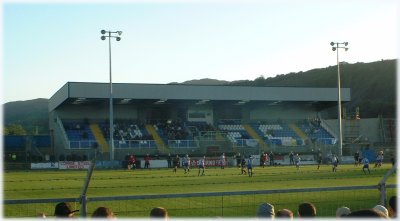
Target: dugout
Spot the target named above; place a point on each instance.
(86, 102)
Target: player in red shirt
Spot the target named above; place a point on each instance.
(131, 162)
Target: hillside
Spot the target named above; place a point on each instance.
(30, 114)
(373, 85)
(373, 89)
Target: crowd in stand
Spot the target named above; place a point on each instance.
(264, 211)
(173, 129)
(170, 129)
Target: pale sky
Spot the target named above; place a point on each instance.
(47, 44)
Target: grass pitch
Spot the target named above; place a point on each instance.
(66, 184)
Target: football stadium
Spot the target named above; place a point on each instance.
(199, 151)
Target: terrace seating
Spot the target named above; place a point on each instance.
(235, 132)
(79, 134)
(317, 133)
(175, 133)
(279, 134)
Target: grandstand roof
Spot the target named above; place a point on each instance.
(81, 92)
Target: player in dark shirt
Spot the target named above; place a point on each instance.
(175, 163)
(243, 166)
(356, 158)
(319, 160)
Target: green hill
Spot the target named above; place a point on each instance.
(373, 85)
(31, 114)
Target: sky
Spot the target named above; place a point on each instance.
(47, 44)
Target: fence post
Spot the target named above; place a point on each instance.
(83, 197)
(83, 206)
(222, 208)
(382, 185)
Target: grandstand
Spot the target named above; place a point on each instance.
(160, 119)
(200, 120)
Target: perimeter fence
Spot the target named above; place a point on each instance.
(212, 204)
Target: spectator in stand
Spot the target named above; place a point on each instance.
(342, 211)
(103, 213)
(64, 210)
(393, 207)
(266, 210)
(159, 212)
(285, 213)
(307, 210)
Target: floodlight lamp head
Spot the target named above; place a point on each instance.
(332, 43)
(333, 49)
(103, 38)
(103, 32)
(118, 39)
(346, 43)
(346, 49)
(119, 33)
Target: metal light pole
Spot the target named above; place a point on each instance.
(335, 47)
(109, 36)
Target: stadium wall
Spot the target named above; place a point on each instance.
(269, 112)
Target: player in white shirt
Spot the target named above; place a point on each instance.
(222, 161)
(297, 160)
(250, 166)
(186, 163)
(202, 165)
(379, 159)
(335, 162)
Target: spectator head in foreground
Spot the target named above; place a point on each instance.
(159, 212)
(266, 210)
(393, 206)
(381, 209)
(103, 212)
(367, 213)
(342, 211)
(64, 210)
(284, 213)
(307, 210)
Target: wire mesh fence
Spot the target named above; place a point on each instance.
(213, 204)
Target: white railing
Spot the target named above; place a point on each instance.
(182, 144)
